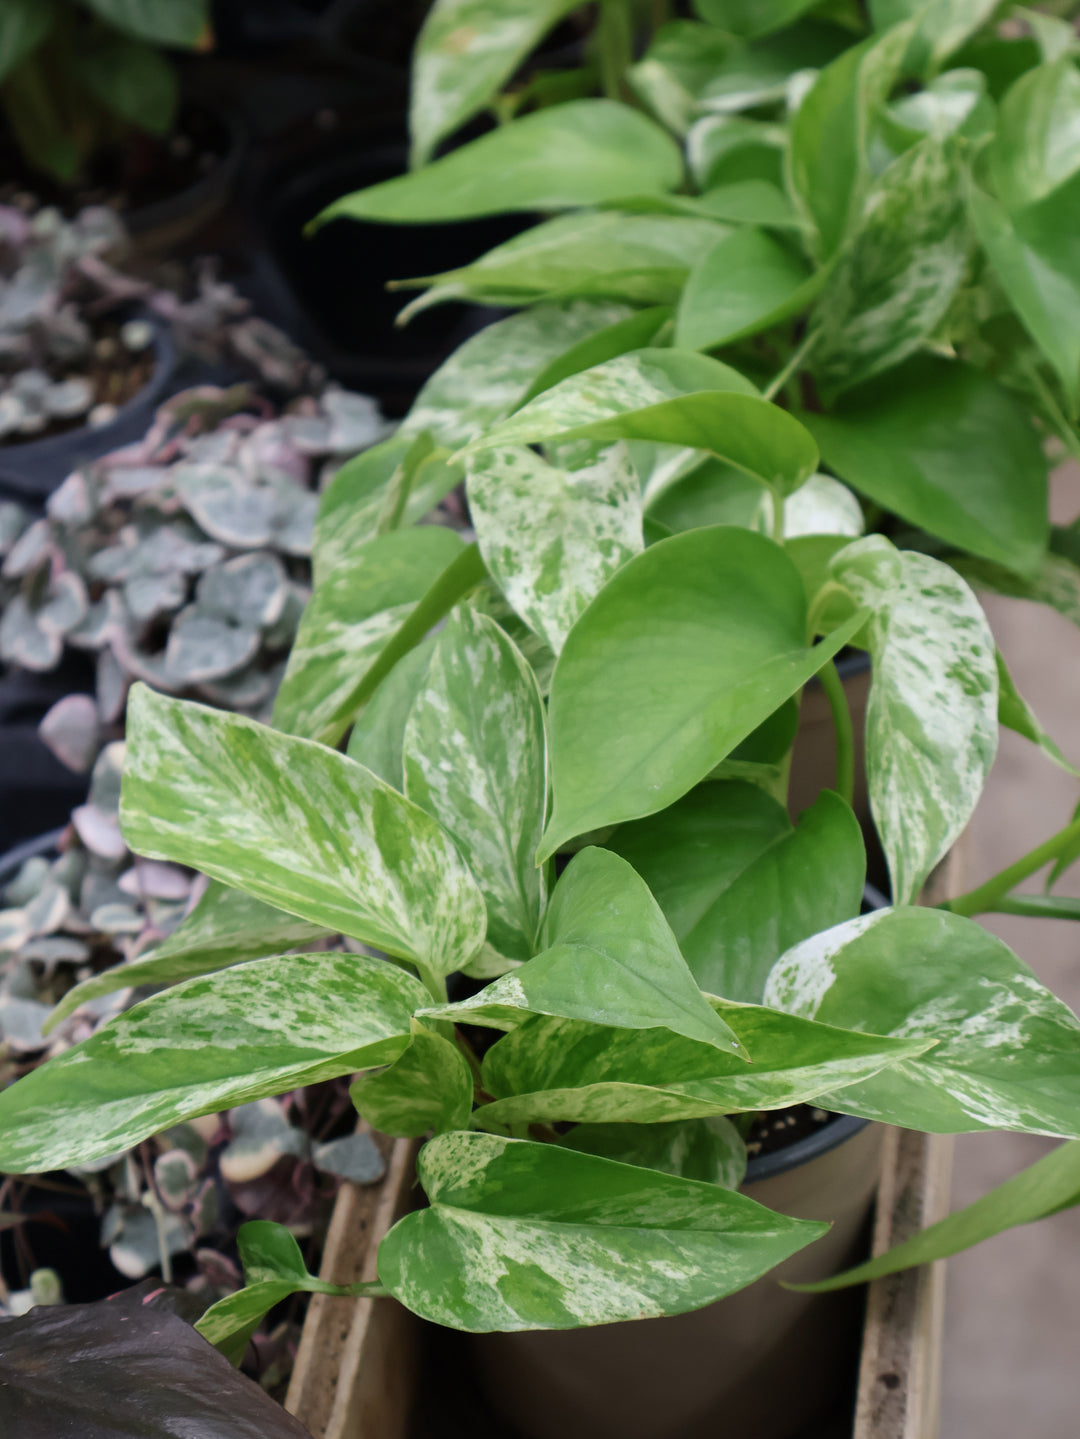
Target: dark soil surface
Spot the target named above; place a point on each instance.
(778, 1128)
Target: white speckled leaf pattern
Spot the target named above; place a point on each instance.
(429, 1087)
(551, 537)
(298, 826)
(931, 722)
(1056, 582)
(466, 49)
(348, 621)
(1007, 1053)
(560, 1069)
(206, 1045)
(486, 376)
(534, 1236)
(475, 757)
(609, 958)
(226, 927)
(822, 506)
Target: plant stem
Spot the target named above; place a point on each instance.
(614, 41)
(1062, 428)
(984, 898)
(777, 383)
(833, 686)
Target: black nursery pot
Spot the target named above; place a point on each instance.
(328, 289)
(29, 472)
(37, 792)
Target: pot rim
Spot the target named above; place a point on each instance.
(834, 1132)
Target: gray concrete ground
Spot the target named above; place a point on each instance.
(1012, 1335)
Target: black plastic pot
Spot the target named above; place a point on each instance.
(30, 471)
(37, 792)
(329, 289)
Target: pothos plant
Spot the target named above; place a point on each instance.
(566, 742)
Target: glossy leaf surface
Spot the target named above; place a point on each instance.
(746, 283)
(1016, 714)
(580, 153)
(1037, 146)
(379, 732)
(931, 721)
(711, 1150)
(684, 653)
(550, 536)
(297, 826)
(609, 957)
(475, 758)
(534, 1236)
(739, 884)
(429, 1087)
(910, 441)
(206, 1045)
(1007, 1054)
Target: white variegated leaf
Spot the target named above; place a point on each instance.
(552, 537)
(475, 758)
(822, 506)
(1007, 1052)
(298, 826)
(931, 722)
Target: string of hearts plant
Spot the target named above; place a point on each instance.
(572, 791)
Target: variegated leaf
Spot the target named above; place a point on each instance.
(822, 506)
(354, 611)
(206, 1045)
(675, 396)
(486, 377)
(1015, 713)
(430, 1086)
(475, 757)
(1056, 582)
(226, 927)
(609, 1241)
(1007, 1052)
(560, 1069)
(551, 537)
(609, 958)
(298, 826)
(682, 654)
(711, 1150)
(931, 721)
(464, 53)
(379, 731)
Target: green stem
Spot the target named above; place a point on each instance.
(828, 592)
(434, 983)
(615, 46)
(833, 686)
(986, 896)
(1064, 431)
(366, 1289)
(777, 383)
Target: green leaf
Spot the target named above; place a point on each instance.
(226, 927)
(354, 611)
(673, 396)
(739, 884)
(1007, 1054)
(931, 721)
(379, 732)
(676, 69)
(752, 201)
(299, 826)
(475, 758)
(131, 78)
(1037, 146)
(711, 494)
(910, 441)
(206, 1045)
(729, 149)
(1056, 582)
(751, 18)
(490, 374)
(580, 153)
(24, 24)
(609, 958)
(640, 258)
(534, 1236)
(561, 1069)
(897, 276)
(177, 22)
(552, 537)
(429, 1087)
(684, 652)
(759, 74)
(941, 26)
(1036, 257)
(635, 332)
(830, 133)
(746, 283)
(711, 1150)
(1046, 1187)
(465, 52)
(274, 1268)
(1016, 714)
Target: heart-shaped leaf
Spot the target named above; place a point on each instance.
(609, 958)
(298, 826)
(612, 1241)
(683, 654)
